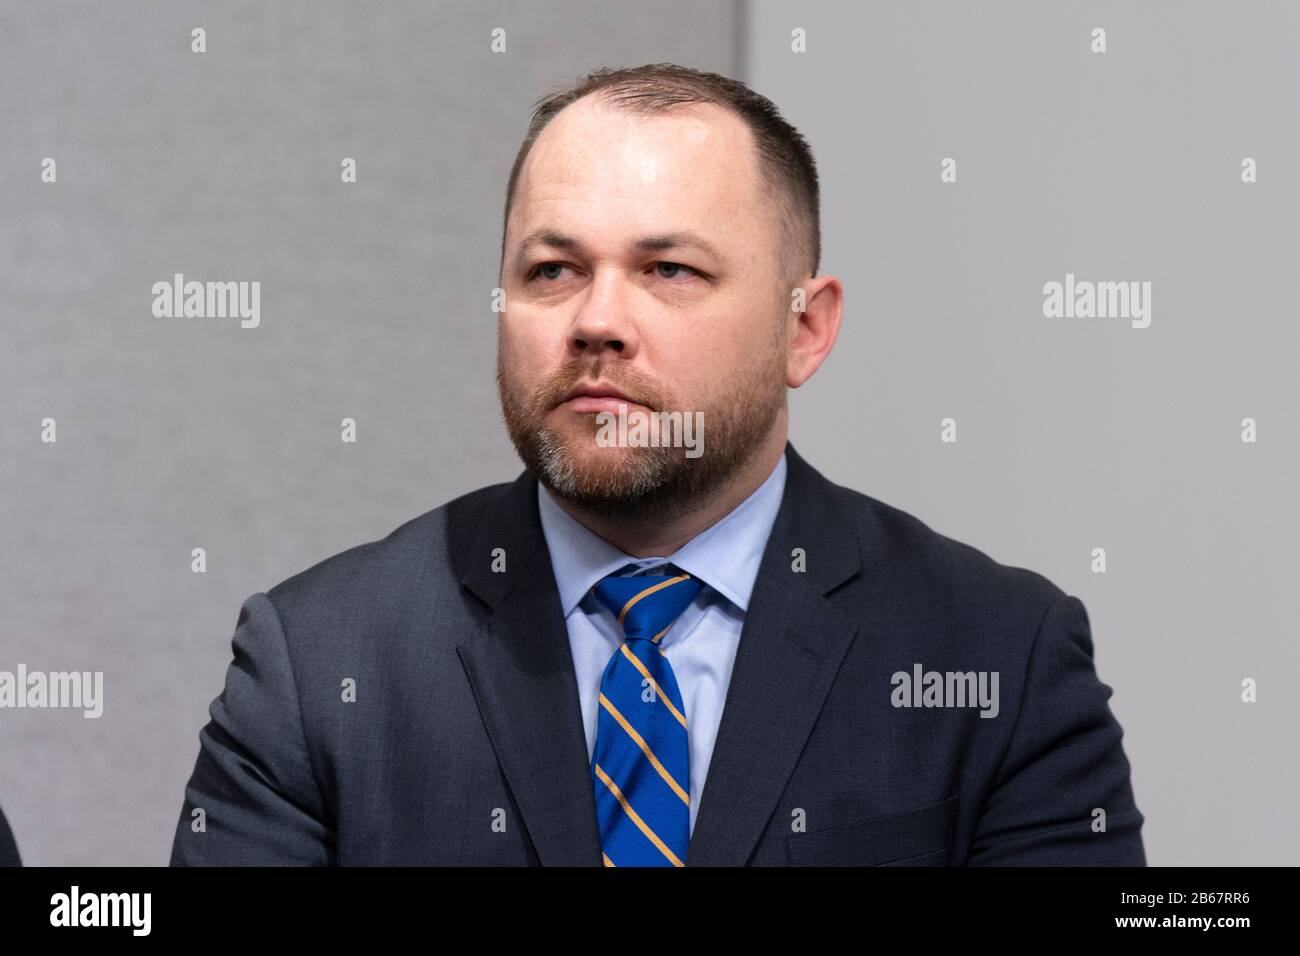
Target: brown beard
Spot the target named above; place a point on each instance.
(644, 483)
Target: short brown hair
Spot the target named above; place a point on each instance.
(785, 159)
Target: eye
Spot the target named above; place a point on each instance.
(545, 270)
(674, 268)
(551, 271)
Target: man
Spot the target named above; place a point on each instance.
(694, 651)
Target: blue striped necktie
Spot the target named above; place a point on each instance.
(640, 765)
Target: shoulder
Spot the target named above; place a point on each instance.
(910, 567)
(417, 559)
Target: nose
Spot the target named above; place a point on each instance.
(603, 321)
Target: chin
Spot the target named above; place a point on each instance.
(580, 469)
(597, 467)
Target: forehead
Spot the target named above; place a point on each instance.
(596, 165)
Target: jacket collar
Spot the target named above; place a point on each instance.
(793, 640)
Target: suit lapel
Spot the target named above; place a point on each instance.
(521, 672)
(791, 647)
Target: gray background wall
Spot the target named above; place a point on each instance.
(1072, 434)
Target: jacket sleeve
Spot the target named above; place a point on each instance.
(1064, 763)
(253, 780)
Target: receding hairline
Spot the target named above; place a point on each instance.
(669, 239)
(792, 179)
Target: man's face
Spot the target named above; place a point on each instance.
(641, 260)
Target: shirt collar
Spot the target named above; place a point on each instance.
(724, 556)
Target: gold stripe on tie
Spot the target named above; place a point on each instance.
(647, 592)
(659, 691)
(608, 861)
(636, 818)
(645, 749)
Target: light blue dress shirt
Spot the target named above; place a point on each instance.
(701, 644)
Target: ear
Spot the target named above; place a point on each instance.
(813, 331)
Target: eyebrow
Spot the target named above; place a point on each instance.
(681, 239)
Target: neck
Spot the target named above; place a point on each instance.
(660, 537)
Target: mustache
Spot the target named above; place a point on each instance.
(638, 387)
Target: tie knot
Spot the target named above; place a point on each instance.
(647, 604)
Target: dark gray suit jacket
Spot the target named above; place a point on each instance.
(464, 743)
(8, 847)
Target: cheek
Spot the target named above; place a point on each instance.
(714, 348)
(512, 359)
(745, 359)
(531, 335)
(520, 345)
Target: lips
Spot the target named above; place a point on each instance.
(597, 398)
